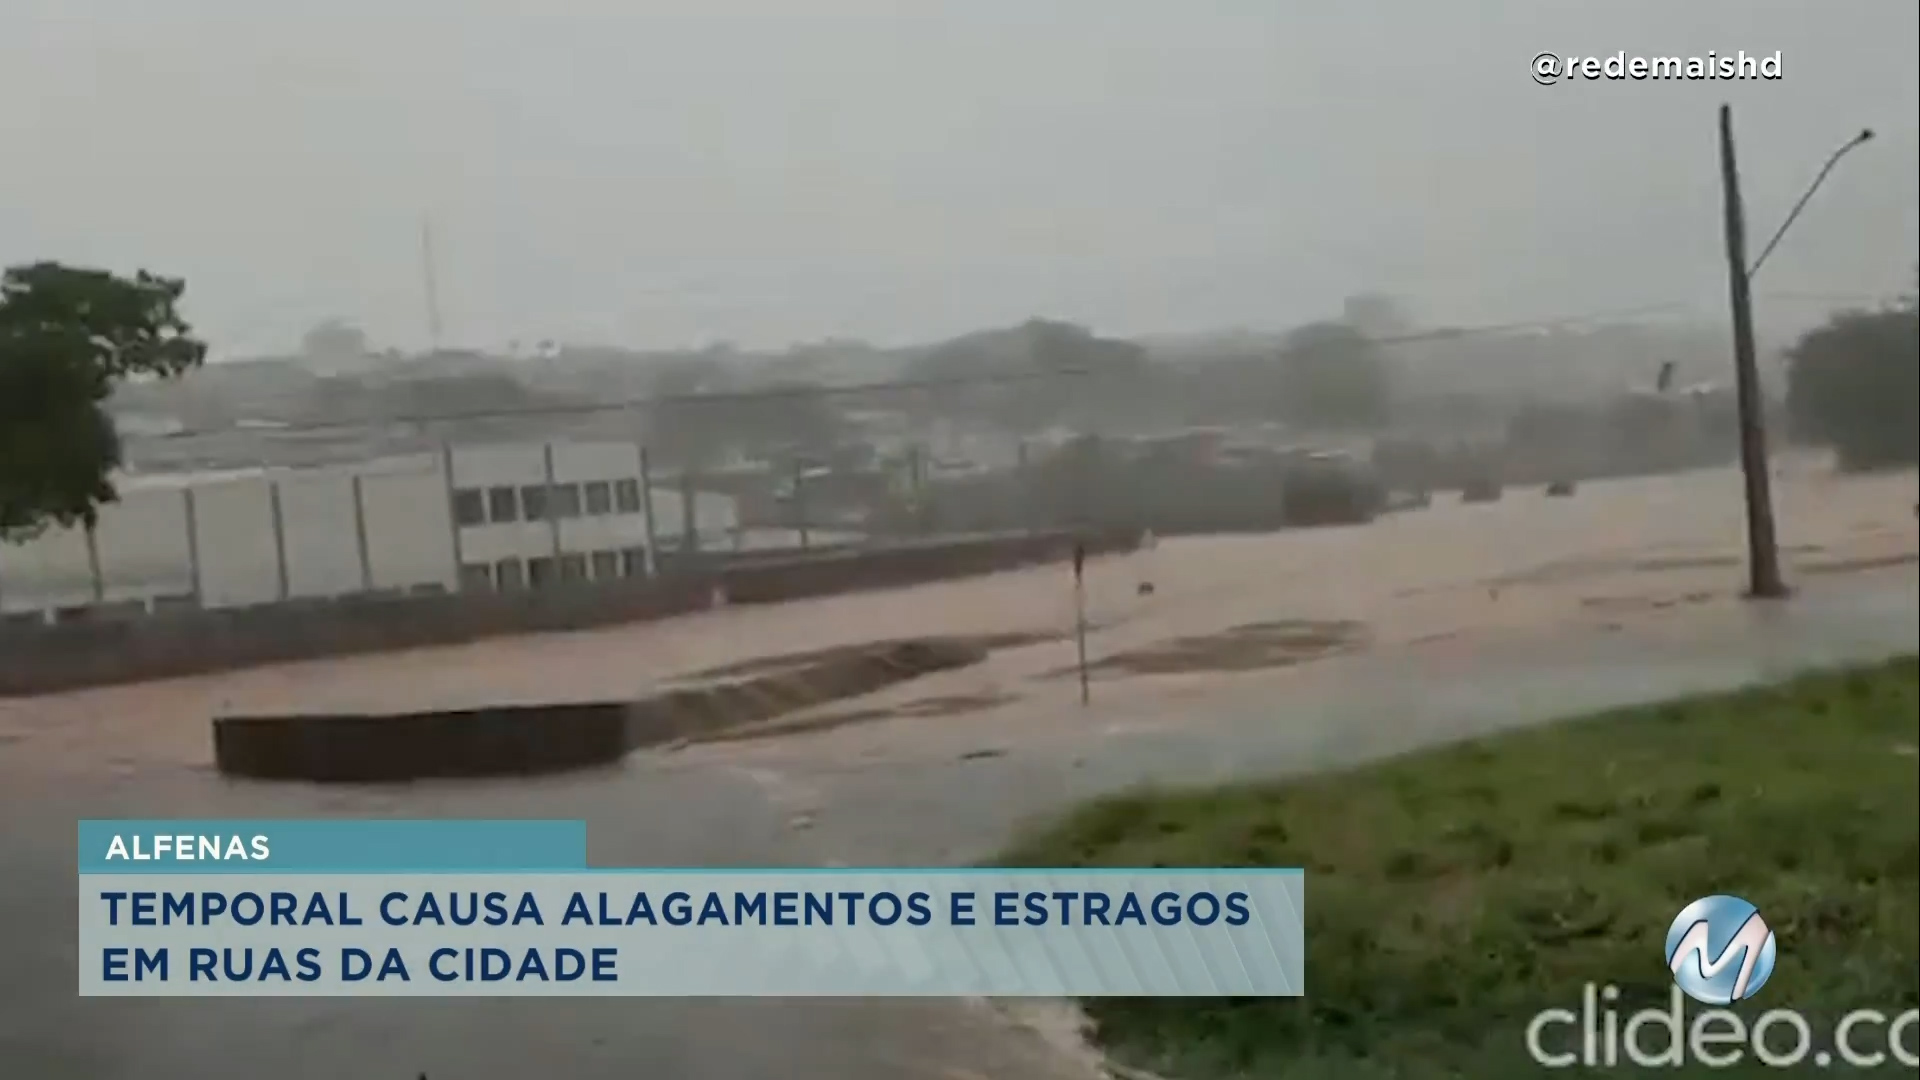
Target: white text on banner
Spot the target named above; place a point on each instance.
(684, 933)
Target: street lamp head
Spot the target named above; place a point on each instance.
(1866, 135)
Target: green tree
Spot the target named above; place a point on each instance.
(777, 420)
(335, 339)
(67, 336)
(1853, 384)
(479, 395)
(1331, 375)
(1027, 377)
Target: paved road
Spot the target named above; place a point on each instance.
(738, 806)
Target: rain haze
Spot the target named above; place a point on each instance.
(797, 435)
(662, 174)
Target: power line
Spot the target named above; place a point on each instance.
(1827, 299)
(1495, 329)
(768, 393)
(883, 387)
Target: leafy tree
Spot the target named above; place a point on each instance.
(67, 336)
(335, 339)
(699, 421)
(680, 426)
(1331, 375)
(1854, 384)
(1027, 377)
(789, 418)
(690, 373)
(472, 396)
(1377, 315)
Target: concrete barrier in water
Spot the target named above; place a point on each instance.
(507, 740)
(526, 740)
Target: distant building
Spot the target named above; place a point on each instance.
(505, 517)
(568, 512)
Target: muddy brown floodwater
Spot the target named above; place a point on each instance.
(1248, 655)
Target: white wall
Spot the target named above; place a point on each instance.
(145, 552)
(409, 525)
(323, 555)
(407, 514)
(237, 557)
(48, 571)
(142, 543)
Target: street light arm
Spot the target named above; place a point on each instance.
(1794, 214)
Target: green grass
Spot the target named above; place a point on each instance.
(1453, 894)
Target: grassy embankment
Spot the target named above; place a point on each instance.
(1453, 894)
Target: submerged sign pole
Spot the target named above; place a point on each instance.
(1080, 617)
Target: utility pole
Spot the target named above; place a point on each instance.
(1763, 549)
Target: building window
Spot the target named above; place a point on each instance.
(573, 567)
(599, 495)
(566, 500)
(626, 496)
(478, 576)
(503, 504)
(540, 571)
(633, 562)
(468, 507)
(533, 502)
(509, 574)
(606, 565)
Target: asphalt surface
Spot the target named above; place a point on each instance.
(805, 804)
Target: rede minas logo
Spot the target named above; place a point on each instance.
(1720, 950)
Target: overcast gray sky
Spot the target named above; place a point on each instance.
(666, 172)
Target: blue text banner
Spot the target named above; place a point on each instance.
(432, 909)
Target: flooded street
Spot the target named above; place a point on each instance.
(1459, 620)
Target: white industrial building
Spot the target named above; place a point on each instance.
(483, 516)
(567, 511)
